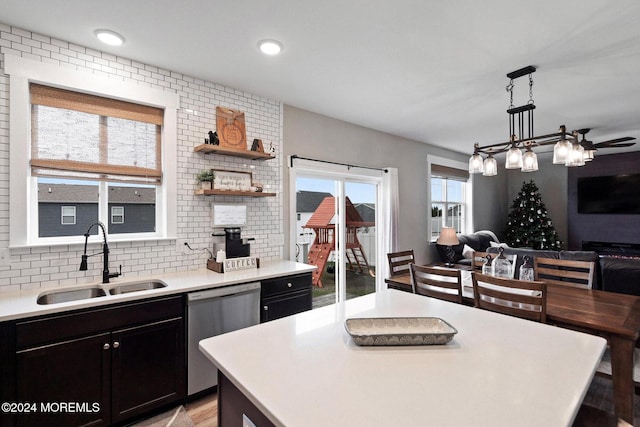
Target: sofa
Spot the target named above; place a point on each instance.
(568, 255)
(621, 275)
(613, 274)
(478, 241)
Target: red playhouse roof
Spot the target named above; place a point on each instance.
(323, 216)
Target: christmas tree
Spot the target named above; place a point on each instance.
(529, 225)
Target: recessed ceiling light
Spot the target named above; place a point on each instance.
(109, 37)
(270, 47)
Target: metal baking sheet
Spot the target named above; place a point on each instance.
(389, 331)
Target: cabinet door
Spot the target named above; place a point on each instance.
(76, 371)
(148, 367)
(285, 305)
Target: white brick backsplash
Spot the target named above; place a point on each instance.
(39, 267)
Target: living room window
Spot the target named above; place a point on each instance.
(449, 196)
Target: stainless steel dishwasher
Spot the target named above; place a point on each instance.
(213, 312)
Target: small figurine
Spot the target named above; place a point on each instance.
(213, 138)
(257, 145)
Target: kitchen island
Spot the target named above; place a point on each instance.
(305, 370)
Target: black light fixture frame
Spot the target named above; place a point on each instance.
(517, 114)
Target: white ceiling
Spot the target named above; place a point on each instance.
(432, 71)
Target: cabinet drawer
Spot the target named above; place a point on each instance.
(285, 305)
(286, 284)
(48, 329)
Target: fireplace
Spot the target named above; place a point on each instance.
(609, 249)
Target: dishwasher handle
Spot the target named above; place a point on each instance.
(223, 291)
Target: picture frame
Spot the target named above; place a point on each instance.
(232, 181)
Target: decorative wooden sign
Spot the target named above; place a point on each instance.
(231, 128)
(233, 264)
(243, 263)
(233, 181)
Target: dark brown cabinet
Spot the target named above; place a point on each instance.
(70, 371)
(105, 365)
(284, 296)
(146, 363)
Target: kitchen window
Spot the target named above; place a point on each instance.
(89, 140)
(68, 215)
(88, 135)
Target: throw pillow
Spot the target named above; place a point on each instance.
(467, 252)
(498, 245)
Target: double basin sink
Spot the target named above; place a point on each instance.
(97, 291)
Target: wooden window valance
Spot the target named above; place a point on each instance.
(77, 135)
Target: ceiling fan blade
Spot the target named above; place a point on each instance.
(626, 144)
(614, 141)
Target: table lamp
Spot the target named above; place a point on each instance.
(448, 238)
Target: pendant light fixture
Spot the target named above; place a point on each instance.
(529, 160)
(514, 158)
(576, 155)
(490, 166)
(476, 165)
(561, 150)
(567, 150)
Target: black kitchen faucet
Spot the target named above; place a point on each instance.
(105, 257)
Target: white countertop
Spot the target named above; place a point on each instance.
(305, 370)
(21, 304)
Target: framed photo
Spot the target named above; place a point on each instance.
(232, 181)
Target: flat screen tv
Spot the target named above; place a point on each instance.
(619, 194)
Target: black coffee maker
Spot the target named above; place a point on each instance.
(234, 244)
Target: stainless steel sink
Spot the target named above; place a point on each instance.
(137, 287)
(66, 295)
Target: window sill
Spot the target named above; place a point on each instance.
(93, 239)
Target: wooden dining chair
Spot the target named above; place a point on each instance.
(565, 272)
(399, 262)
(437, 282)
(525, 299)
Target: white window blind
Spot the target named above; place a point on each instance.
(77, 135)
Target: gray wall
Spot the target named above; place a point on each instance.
(492, 196)
(319, 137)
(50, 219)
(138, 218)
(312, 135)
(490, 202)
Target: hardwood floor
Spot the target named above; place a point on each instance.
(204, 411)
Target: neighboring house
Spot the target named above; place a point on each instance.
(66, 209)
(367, 211)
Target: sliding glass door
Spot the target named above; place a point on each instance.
(335, 221)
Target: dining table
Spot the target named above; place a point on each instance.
(613, 316)
(314, 369)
